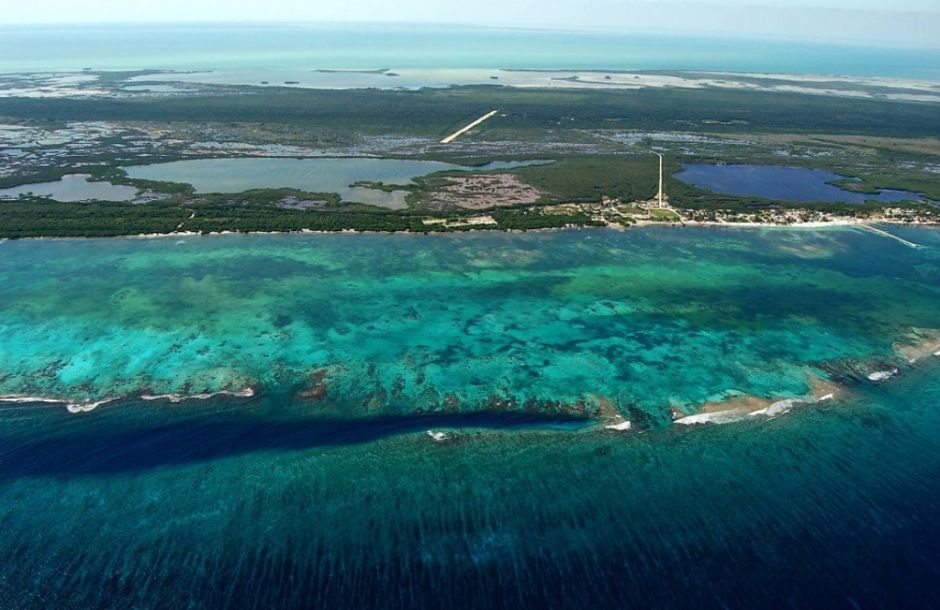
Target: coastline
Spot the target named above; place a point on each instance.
(739, 407)
(730, 406)
(61, 83)
(86, 406)
(640, 224)
(735, 406)
(722, 401)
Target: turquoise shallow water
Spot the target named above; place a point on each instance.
(252, 53)
(342, 500)
(647, 319)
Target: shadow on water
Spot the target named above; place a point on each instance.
(138, 450)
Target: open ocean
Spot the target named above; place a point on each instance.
(324, 490)
(250, 53)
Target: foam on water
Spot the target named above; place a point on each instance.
(72, 407)
(178, 398)
(879, 376)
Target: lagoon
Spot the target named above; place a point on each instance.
(74, 188)
(321, 175)
(781, 183)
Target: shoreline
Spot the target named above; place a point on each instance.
(740, 407)
(72, 406)
(922, 344)
(732, 406)
(837, 223)
(86, 406)
(735, 406)
(892, 87)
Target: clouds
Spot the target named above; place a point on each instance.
(890, 21)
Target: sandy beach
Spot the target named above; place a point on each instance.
(834, 223)
(739, 407)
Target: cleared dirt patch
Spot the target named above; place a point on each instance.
(483, 191)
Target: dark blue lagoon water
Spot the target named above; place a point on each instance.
(325, 490)
(782, 183)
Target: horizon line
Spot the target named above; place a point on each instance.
(628, 30)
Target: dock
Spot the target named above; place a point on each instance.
(883, 233)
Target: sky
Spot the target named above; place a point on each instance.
(915, 22)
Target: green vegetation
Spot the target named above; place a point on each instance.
(664, 215)
(584, 133)
(529, 220)
(43, 218)
(98, 173)
(435, 112)
(588, 178)
(876, 179)
(577, 180)
(381, 186)
(573, 179)
(854, 185)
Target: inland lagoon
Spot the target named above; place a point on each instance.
(327, 175)
(784, 183)
(399, 421)
(73, 188)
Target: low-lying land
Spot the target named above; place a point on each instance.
(599, 145)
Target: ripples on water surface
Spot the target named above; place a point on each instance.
(343, 500)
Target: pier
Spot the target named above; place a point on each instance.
(883, 233)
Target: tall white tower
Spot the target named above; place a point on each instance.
(661, 195)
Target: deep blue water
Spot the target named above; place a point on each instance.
(231, 506)
(782, 183)
(346, 502)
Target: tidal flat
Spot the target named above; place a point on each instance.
(323, 488)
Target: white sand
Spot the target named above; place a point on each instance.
(178, 398)
(621, 427)
(73, 407)
(718, 417)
